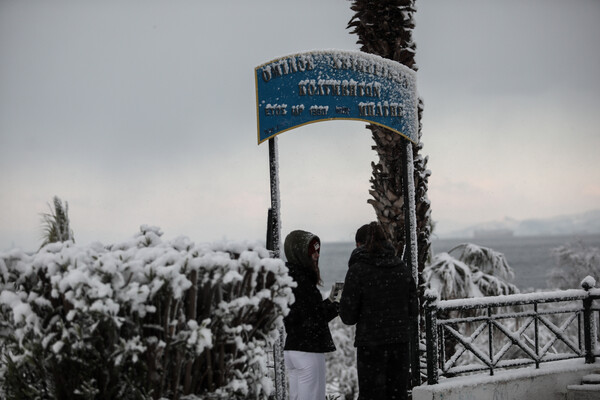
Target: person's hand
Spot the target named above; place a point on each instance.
(339, 296)
(332, 294)
(336, 293)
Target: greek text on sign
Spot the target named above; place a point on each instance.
(324, 85)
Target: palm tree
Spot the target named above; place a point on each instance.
(384, 28)
(56, 223)
(478, 271)
(485, 259)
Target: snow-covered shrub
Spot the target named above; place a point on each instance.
(575, 261)
(342, 376)
(144, 319)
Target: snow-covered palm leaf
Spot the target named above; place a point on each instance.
(485, 259)
(491, 285)
(451, 278)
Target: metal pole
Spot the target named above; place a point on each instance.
(536, 327)
(588, 326)
(432, 339)
(410, 254)
(410, 215)
(273, 243)
(490, 339)
(275, 227)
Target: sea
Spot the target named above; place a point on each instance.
(530, 257)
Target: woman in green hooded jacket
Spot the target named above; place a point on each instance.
(307, 324)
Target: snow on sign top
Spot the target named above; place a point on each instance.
(314, 86)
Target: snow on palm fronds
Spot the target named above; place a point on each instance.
(485, 259)
(479, 271)
(142, 319)
(451, 278)
(491, 285)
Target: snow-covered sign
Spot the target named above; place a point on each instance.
(325, 85)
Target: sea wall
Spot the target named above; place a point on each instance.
(549, 382)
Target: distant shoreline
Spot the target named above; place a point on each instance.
(531, 257)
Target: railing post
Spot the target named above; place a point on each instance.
(589, 340)
(431, 299)
(490, 339)
(537, 334)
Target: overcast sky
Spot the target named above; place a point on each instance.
(143, 112)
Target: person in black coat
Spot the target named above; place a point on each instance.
(377, 297)
(307, 324)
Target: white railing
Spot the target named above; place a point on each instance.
(483, 334)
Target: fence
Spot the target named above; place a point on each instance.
(484, 334)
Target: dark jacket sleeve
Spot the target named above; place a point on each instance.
(330, 309)
(351, 297)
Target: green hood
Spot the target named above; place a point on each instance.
(296, 247)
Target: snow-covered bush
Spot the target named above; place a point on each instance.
(143, 319)
(575, 261)
(342, 376)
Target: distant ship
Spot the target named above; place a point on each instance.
(493, 233)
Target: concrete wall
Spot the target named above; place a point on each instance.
(549, 382)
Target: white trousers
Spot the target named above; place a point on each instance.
(306, 375)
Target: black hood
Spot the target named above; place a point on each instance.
(296, 248)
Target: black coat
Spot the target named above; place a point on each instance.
(307, 325)
(378, 297)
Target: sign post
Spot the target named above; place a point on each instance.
(410, 254)
(274, 245)
(309, 87)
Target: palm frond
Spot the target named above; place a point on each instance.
(451, 278)
(491, 285)
(485, 259)
(479, 272)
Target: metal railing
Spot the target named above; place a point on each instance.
(488, 333)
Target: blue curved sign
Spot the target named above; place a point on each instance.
(326, 85)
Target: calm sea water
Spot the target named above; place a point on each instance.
(530, 257)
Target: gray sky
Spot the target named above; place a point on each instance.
(143, 112)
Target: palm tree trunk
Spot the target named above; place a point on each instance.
(384, 27)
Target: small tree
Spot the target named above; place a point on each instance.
(56, 223)
(575, 261)
(478, 271)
